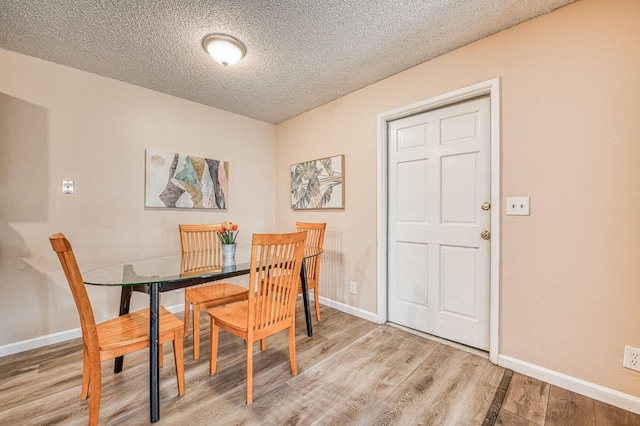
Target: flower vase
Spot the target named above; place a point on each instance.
(228, 254)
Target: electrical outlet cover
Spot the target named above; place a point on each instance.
(631, 358)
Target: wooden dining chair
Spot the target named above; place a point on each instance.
(115, 337)
(201, 248)
(315, 238)
(276, 260)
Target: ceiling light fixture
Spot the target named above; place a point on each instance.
(224, 49)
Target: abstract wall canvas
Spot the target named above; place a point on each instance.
(184, 181)
(318, 184)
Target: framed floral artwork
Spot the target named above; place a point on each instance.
(318, 184)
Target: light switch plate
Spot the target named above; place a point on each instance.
(67, 187)
(518, 206)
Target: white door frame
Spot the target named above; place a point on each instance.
(491, 88)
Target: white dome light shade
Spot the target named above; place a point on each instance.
(224, 49)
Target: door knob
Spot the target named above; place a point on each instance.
(486, 206)
(485, 235)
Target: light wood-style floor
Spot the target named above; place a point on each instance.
(351, 372)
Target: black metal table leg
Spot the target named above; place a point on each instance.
(305, 297)
(154, 366)
(125, 300)
(125, 303)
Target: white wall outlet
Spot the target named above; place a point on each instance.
(631, 358)
(518, 206)
(353, 289)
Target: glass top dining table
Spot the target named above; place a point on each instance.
(168, 273)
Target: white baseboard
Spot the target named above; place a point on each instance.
(38, 342)
(582, 387)
(175, 309)
(61, 336)
(356, 312)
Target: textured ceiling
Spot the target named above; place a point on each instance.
(300, 53)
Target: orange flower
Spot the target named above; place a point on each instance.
(228, 232)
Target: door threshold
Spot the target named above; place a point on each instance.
(456, 345)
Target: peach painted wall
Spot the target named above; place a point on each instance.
(59, 123)
(570, 272)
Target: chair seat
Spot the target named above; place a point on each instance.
(219, 293)
(236, 316)
(206, 297)
(232, 315)
(133, 329)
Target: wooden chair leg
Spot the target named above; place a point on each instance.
(213, 359)
(86, 374)
(178, 355)
(317, 300)
(161, 355)
(196, 331)
(187, 311)
(249, 372)
(263, 344)
(95, 383)
(291, 332)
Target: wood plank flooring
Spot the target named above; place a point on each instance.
(351, 372)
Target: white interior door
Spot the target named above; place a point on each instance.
(439, 191)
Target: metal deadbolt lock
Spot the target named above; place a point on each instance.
(486, 235)
(486, 206)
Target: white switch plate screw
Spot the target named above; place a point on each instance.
(352, 287)
(518, 206)
(631, 358)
